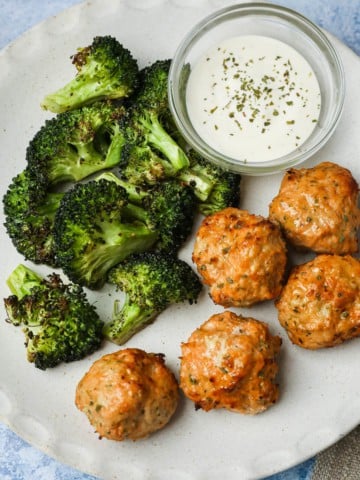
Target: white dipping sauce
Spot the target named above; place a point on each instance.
(253, 98)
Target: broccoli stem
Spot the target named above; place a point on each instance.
(50, 205)
(127, 319)
(132, 211)
(200, 184)
(82, 161)
(22, 280)
(161, 140)
(80, 91)
(114, 150)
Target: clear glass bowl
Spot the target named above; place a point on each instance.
(282, 24)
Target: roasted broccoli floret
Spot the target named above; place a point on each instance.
(153, 92)
(151, 153)
(151, 283)
(29, 218)
(105, 69)
(59, 323)
(142, 163)
(93, 232)
(76, 144)
(167, 208)
(214, 187)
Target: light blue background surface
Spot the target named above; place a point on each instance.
(18, 460)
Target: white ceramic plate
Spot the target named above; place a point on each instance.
(320, 391)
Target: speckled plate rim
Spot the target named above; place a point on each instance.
(320, 391)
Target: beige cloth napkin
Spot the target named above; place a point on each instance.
(341, 461)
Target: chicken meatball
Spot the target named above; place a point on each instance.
(320, 304)
(128, 394)
(240, 256)
(317, 209)
(231, 362)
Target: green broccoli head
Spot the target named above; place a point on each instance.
(59, 323)
(151, 282)
(225, 193)
(214, 187)
(29, 218)
(91, 235)
(76, 144)
(105, 69)
(141, 165)
(153, 85)
(167, 208)
(171, 209)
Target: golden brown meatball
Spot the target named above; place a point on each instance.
(320, 304)
(317, 209)
(128, 394)
(230, 362)
(241, 256)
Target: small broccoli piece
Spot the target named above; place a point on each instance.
(214, 187)
(76, 144)
(105, 69)
(29, 218)
(151, 283)
(167, 208)
(59, 323)
(151, 153)
(153, 86)
(91, 234)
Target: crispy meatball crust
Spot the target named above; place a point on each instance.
(240, 256)
(317, 209)
(320, 304)
(128, 394)
(230, 362)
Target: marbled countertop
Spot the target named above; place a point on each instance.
(19, 460)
